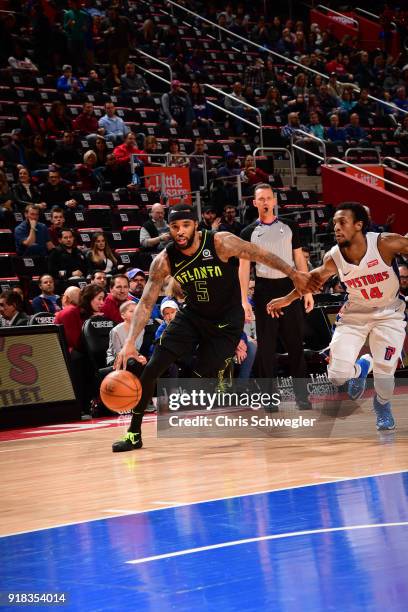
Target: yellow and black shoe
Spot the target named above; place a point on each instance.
(131, 441)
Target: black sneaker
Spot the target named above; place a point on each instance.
(304, 404)
(131, 441)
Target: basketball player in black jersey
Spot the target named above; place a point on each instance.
(212, 316)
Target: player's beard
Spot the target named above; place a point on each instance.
(188, 243)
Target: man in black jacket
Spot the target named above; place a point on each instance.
(56, 192)
(66, 260)
(11, 309)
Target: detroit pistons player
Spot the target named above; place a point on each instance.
(365, 264)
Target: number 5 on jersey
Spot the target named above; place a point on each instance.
(202, 291)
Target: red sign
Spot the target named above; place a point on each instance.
(367, 178)
(176, 182)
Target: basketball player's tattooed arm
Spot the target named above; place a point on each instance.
(159, 269)
(228, 245)
(391, 245)
(321, 274)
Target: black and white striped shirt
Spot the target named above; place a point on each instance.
(278, 237)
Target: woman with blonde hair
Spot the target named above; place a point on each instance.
(100, 255)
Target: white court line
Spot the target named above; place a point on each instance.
(204, 501)
(118, 511)
(276, 536)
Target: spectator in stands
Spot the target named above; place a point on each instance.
(66, 154)
(119, 333)
(251, 175)
(20, 61)
(356, 136)
(113, 82)
(231, 166)
(151, 148)
(7, 204)
(11, 309)
(134, 82)
(32, 238)
(401, 135)
(56, 192)
(401, 100)
(201, 110)
(57, 222)
(98, 277)
(154, 234)
(70, 318)
(209, 220)
(119, 290)
(91, 301)
(47, 301)
(177, 158)
(37, 154)
(137, 283)
(67, 83)
(403, 276)
(327, 103)
(100, 256)
(116, 175)
(86, 123)
(87, 174)
(346, 104)
(94, 84)
(77, 24)
(315, 127)
(363, 72)
(176, 106)
(285, 43)
(101, 151)
(229, 222)
(111, 126)
(272, 105)
(25, 192)
(22, 290)
(118, 33)
(254, 75)
(14, 153)
(199, 160)
(235, 105)
(123, 152)
(300, 86)
(364, 108)
(337, 88)
(291, 129)
(58, 121)
(66, 260)
(334, 133)
(33, 122)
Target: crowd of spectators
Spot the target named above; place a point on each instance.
(82, 141)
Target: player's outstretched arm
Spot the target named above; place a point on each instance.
(159, 269)
(393, 244)
(228, 245)
(321, 274)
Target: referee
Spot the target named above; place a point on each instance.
(280, 238)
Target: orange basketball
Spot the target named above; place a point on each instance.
(120, 391)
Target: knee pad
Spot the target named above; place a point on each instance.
(339, 371)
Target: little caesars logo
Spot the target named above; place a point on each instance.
(318, 385)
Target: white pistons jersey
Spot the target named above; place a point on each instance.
(371, 284)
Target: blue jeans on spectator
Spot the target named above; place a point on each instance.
(246, 366)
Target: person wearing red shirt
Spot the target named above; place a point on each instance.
(123, 152)
(86, 123)
(119, 290)
(70, 318)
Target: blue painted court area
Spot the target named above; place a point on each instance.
(335, 546)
